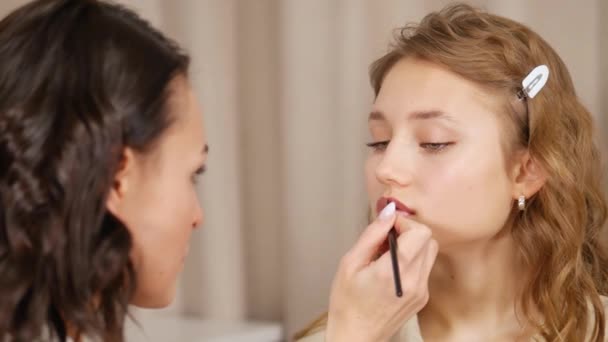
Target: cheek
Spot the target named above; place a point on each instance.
(161, 233)
(168, 219)
(468, 197)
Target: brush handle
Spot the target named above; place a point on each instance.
(392, 244)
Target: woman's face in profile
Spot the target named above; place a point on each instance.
(157, 200)
(437, 147)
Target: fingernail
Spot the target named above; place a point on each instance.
(388, 211)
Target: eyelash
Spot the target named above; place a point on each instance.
(198, 173)
(380, 146)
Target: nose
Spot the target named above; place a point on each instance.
(197, 219)
(394, 167)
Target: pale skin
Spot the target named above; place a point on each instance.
(438, 146)
(155, 196)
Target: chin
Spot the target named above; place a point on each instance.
(153, 301)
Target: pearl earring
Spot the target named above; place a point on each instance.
(521, 202)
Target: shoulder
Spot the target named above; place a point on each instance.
(318, 336)
(409, 332)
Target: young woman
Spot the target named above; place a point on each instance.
(101, 140)
(495, 179)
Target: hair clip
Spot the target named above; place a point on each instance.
(534, 82)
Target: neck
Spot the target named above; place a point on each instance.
(477, 286)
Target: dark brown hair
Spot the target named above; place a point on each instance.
(80, 80)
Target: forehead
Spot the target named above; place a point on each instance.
(185, 111)
(417, 85)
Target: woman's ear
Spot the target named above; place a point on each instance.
(527, 176)
(121, 184)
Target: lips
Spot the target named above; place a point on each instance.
(384, 201)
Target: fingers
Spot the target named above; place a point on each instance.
(373, 237)
(417, 251)
(411, 242)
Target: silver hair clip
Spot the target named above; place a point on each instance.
(534, 82)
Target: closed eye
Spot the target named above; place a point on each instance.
(378, 146)
(435, 147)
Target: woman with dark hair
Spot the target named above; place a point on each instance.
(101, 140)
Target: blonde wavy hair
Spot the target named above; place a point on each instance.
(559, 233)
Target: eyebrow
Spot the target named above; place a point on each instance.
(414, 116)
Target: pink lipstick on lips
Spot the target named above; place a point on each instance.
(384, 201)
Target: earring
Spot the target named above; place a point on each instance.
(521, 202)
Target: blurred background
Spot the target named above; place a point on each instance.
(285, 93)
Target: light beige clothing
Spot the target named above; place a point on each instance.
(410, 332)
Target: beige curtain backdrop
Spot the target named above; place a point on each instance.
(285, 94)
